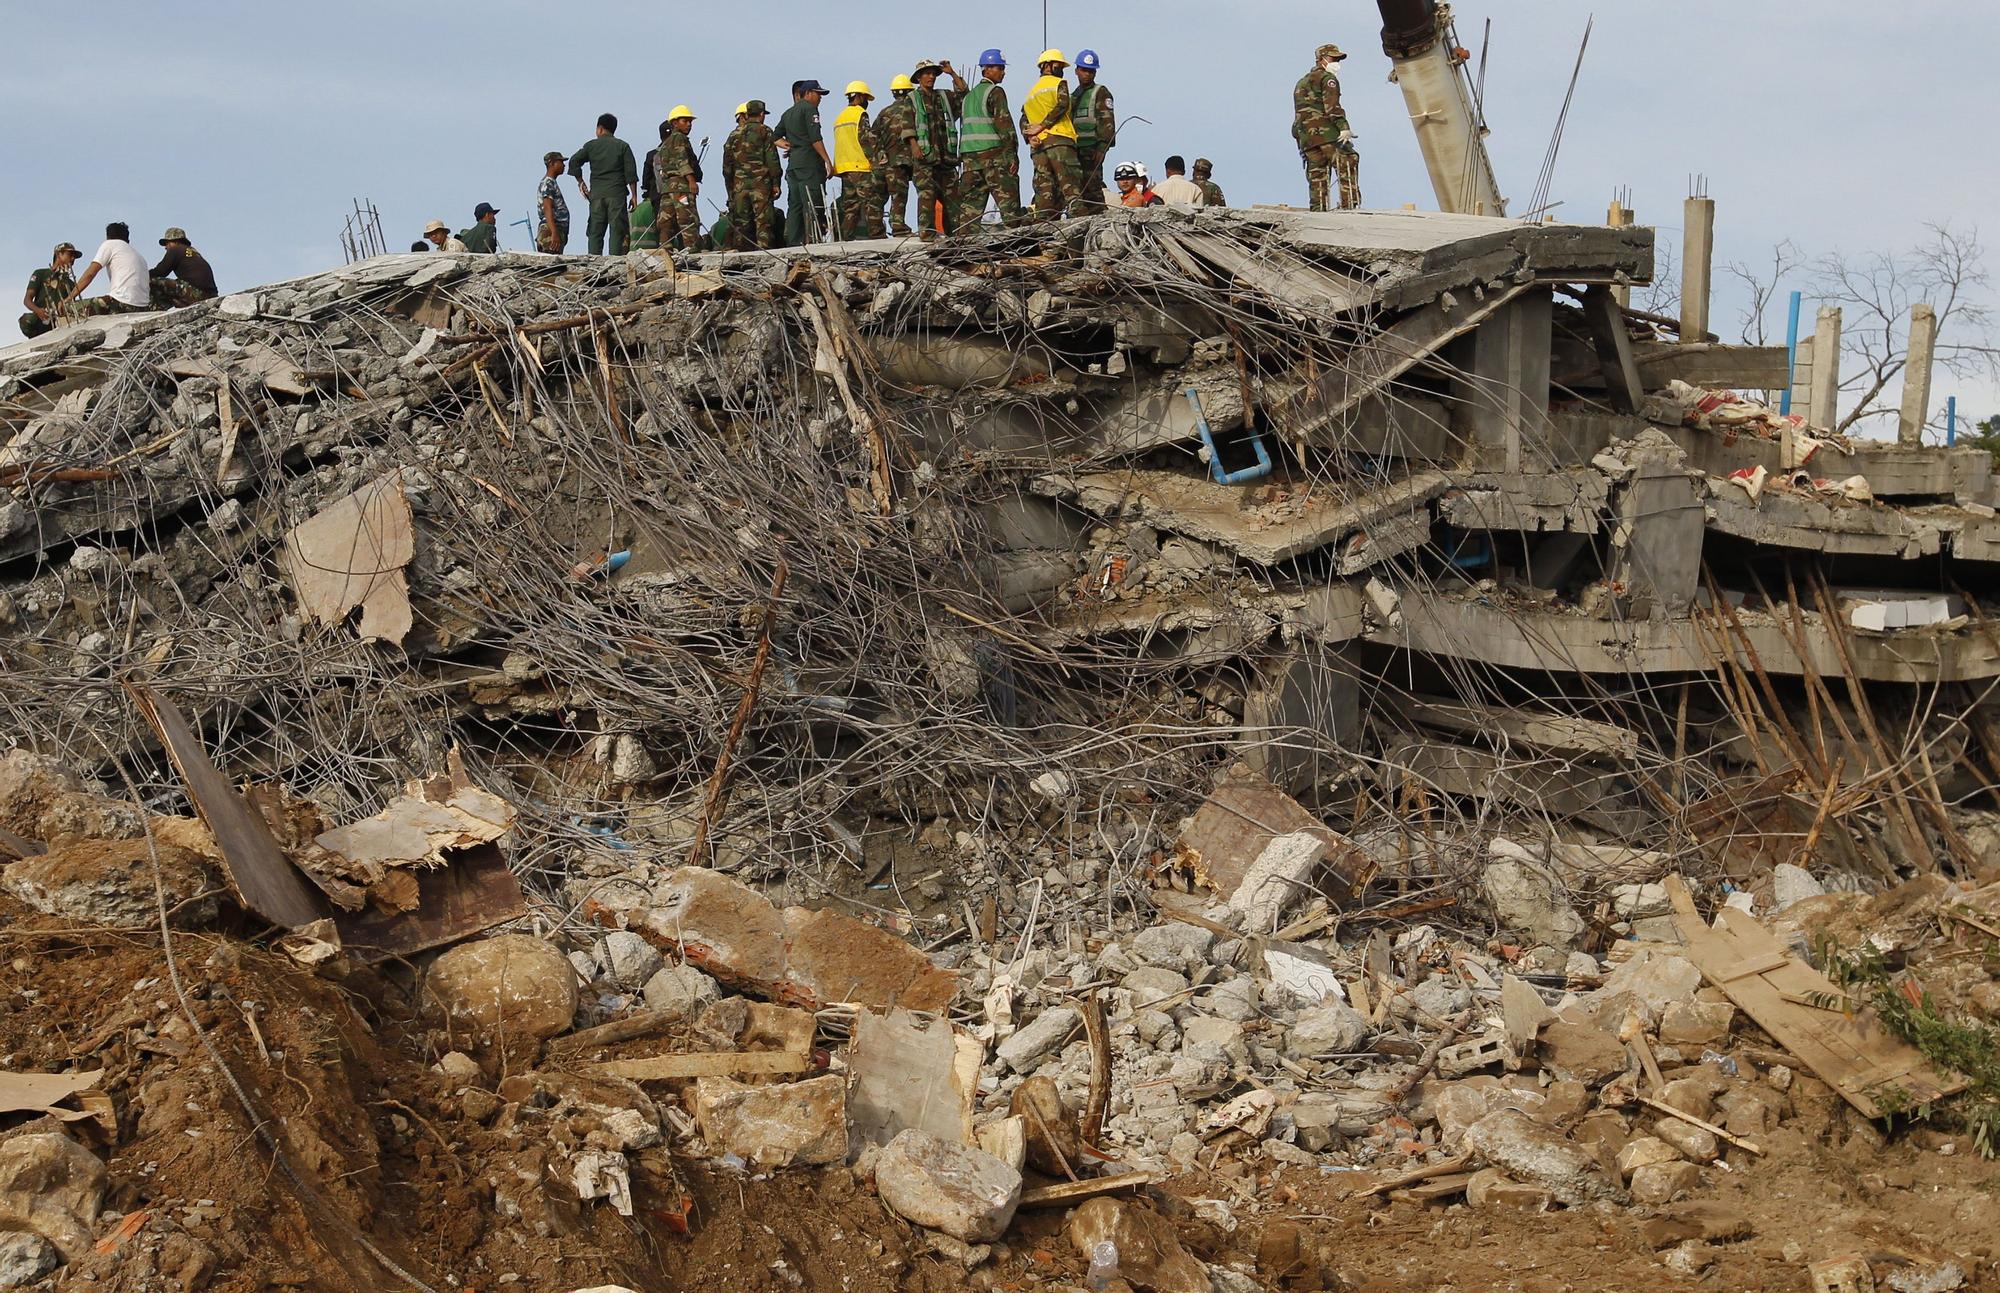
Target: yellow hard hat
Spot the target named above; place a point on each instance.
(681, 111)
(1052, 56)
(743, 109)
(859, 87)
(902, 82)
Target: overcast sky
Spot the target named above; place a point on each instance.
(254, 124)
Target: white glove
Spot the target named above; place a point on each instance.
(1347, 136)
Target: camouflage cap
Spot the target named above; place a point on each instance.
(926, 65)
(1202, 166)
(1329, 51)
(551, 156)
(62, 247)
(755, 108)
(174, 233)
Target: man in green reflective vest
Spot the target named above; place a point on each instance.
(933, 151)
(991, 153)
(1096, 122)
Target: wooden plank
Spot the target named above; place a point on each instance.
(1706, 1126)
(474, 893)
(270, 886)
(1443, 1187)
(1424, 1173)
(645, 1024)
(657, 1068)
(1068, 1192)
(1850, 1053)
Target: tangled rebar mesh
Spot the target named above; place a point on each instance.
(718, 427)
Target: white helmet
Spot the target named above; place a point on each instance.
(1126, 171)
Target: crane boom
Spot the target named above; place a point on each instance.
(1419, 38)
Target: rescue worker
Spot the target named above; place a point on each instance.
(990, 152)
(858, 162)
(806, 165)
(48, 287)
(1319, 124)
(613, 189)
(934, 155)
(483, 234)
(183, 276)
(1211, 192)
(895, 127)
(1051, 136)
(1096, 122)
(1134, 190)
(678, 178)
(750, 171)
(553, 233)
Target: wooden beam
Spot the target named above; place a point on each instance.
(1068, 1192)
(659, 1068)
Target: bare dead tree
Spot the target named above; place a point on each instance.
(1764, 283)
(1663, 294)
(1947, 268)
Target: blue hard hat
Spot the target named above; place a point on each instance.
(1087, 59)
(992, 58)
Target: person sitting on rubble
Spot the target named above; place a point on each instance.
(484, 232)
(1133, 188)
(183, 276)
(131, 286)
(48, 287)
(440, 237)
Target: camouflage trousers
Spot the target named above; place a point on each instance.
(172, 294)
(678, 220)
(1058, 180)
(859, 209)
(1321, 165)
(1091, 158)
(750, 204)
(994, 174)
(937, 183)
(32, 325)
(896, 183)
(90, 307)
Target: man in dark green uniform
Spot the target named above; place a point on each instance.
(750, 171)
(806, 165)
(47, 288)
(484, 234)
(991, 151)
(613, 189)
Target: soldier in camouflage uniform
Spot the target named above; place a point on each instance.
(1211, 192)
(934, 153)
(895, 129)
(1051, 136)
(1096, 122)
(991, 153)
(48, 287)
(859, 162)
(1319, 124)
(752, 173)
(677, 172)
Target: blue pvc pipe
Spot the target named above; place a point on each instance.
(1263, 467)
(1951, 421)
(1791, 356)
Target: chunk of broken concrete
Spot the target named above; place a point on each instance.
(680, 991)
(509, 986)
(1327, 1030)
(1583, 1053)
(1696, 1023)
(24, 1258)
(1689, 1140)
(54, 1187)
(1524, 899)
(110, 883)
(1276, 879)
(1532, 1151)
(1042, 1036)
(1052, 1145)
(1492, 1188)
(794, 1124)
(1643, 1151)
(943, 1185)
(834, 957)
(1656, 980)
(1150, 1255)
(628, 960)
(720, 925)
(1658, 1183)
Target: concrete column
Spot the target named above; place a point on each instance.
(1697, 265)
(1619, 217)
(1504, 382)
(1917, 374)
(1802, 377)
(1824, 407)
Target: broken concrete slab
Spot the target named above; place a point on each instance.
(793, 1124)
(507, 987)
(1240, 819)
(353, 554)
(910, 1070)
(943, 1185)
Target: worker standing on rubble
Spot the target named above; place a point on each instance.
(1096, 122)
(678, 178)
(1319, 124)
(553, 236)
(991, 153)
(858, 162)
(806, 165)
(895, 127)
(933, 156)
(613, 189)
(1051, 135)
(484, 232)
(1211, 192)
(183, 276)
(751, 168)
(48, 288)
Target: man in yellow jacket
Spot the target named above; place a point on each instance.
(857, 160)
(1051, 136)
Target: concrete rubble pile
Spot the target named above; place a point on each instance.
(1171, 694)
